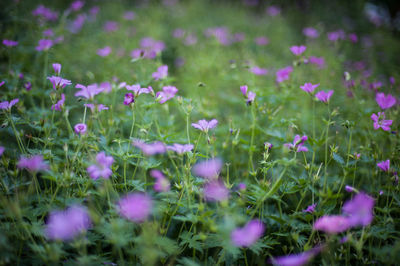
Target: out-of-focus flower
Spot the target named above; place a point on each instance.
(102, 168)
(77, 24)
(273, 11)
(318, 61)
(311, 32)
(384, 165)
(350, 189)
(298, 144)
(310, 208)
(298, 50)
(162, 184)
(191, 39)
(333, 36)
(239, 37)
(353, 37)
(205, 125)
(57, 106)
(111, 26)
(392, 80)
(151, 148)
(135, 207)
(104, 51)
(247, 235)
(208, 169)
(44, 45)
(59, 82)
(88, 92)
(309, 87)
(381, 122)
(283, 74)
(2, 83)
(57, 68)
(7, 105)
(296, 259)
(258, 71)
(33, 164)
(129, 15)
(80, 129)
(66, 225)
(324, 96)
(241, 186)
(359, 210)
(137, 90)
(215, 191)
(332, 224)
(98, 107)
(179, 148)
(2, 149)
(250, 95)
(77, 5)
(262, 40)
(45, 13)
(161, 73)
(10, 43)
(178, 33)
(385, 101)
(167, 93)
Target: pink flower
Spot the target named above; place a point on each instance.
(57, 106)
(384, 165)
(137, 90)
(104, 51)
(59, 82)
(262, 40)
(298, 50)
(215, 191)
(102, 168)
(208, 169)
(77, 24)
(2, 149)
(57, 68)
(33, 164)
(161, 73)
(311, 32)
(250, 95)
(324, 96)
(247, 235)
(380, 122)
(162, 183)
(77, 5)
(80, 129)
(179, 148)
(359, 210)
(309, 87)
(318, 61)
(273, 11)
(258, 71)
(310, 208)
(150, 149)
(350, 189)
(44, 45)
(332, 224)
(65, 225)
(111, 26)
(129, 98)
(7, 105)
(135, 207)
(283, 74)
(241, 186)
(45, 13)
(385, 102)
(167, 93)
(88, 92)
(10, 43)
(93, 107)
(296, 259)
(353, 37)
(205, 125)
(298, 144)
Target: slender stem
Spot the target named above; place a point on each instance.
(253, 126)
(133, 121)
(326, 149)
(187, 126)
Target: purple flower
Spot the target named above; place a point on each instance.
(104, 51)
(161, 73)
(129, 15)
(45, 13)
(129, 98)
(392, 80)
(178, 33)
(44, 45)
(100, 107)
(57, 68)
(2, 83)
(88, 92)
(324, 96)
(384, 165)
(309, 87)
(137, 90)
(283, 74)
(350, 189)
(296, 259)
(385, 102)
(59, 82)
(2, 149)
(77, 5)
(80, 129)
(191, 39)
(205, 125)
(310, 32)
(298, 144)
(310, 208)
(247, 235)
(179, 148)
(333, 36)
(162, 184)
(359, 210)
(208, 169)
(380, 122)
(238, 37)
(273, 11)
(102, 168)
(150, 149)
(7, 105)
(10, 43)
(135, 207)
(258, 71)
(77, 24)
(57, 106)
(332, 224)
(65, 225)
(250, 95)
(110, 26)
(318, 61)
(353, 37)
(166, 94)
(215, 191)
(298, 50)
(106, 87)
(262, 40)
(33, 164)
(241, 186)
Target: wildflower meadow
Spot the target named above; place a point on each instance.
(177, 132)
